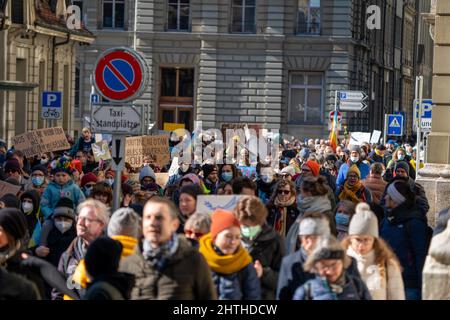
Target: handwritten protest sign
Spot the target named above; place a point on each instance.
(358, 138)
(136, 148)
(207, 204)
(101, 151)
(41, 141)
(6, 188)
(376, 135)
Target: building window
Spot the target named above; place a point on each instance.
(178, 15)
(308, 17)
(17, 11)
(113, 13)
(306, 98)
(243, 16)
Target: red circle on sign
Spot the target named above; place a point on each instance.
(130, 88)
(332, 115)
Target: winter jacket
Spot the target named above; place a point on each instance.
(275, 212)
(268, 248)
(34, 217)
(405, 230)
(54, 192)
(342, 175)
(436, 272)
(15, 287)
(30, 186)
(376, 186)
(117, 286)
(319, 289)
(331, 180)
(58, 243)
(265, 190)
(419, 192)
(376, 158)
(68, 263)
(82, 145)
(385, 282)
(292, 275)
(186, 276)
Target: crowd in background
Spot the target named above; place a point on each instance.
(324, 224)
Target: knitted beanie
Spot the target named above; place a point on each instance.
(354, 169)
(314, 166)
(222, 219)
(124, 222)
(364, 222)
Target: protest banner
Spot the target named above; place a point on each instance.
(101, 151)
(157, 147)
(376, 135)
(358, 138)
(207, 204)
(41, 141)
(6, 188)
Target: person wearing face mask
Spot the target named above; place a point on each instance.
(109, 178)
(87, 183)
(343, 215)
(355, 159)
(399, 155)
(264, 245)
(233, 271)
(38, 179)
(283, 207)
(266, 183)
(227, 172)
(30, 207)
(61, 235)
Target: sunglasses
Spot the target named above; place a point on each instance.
(190, 233)
(286, 192)
(306, 170)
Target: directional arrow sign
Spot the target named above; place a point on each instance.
(118, 152)
(352, 105)
(352, 96)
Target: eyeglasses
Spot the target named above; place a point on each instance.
(284, 192)
(190, 233)
(325, 267)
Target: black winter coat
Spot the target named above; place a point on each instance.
(110, 287)
(15, 287)
(268, 248)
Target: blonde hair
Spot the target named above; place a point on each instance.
(102, 212)
(383, 253)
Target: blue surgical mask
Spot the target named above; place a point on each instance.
(267, 179)
(110, 181)
(342, 219)
(87, 191)
(401, 157)
(37, 181)
(227, 176)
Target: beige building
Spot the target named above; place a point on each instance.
(37, 53)
(435, 177)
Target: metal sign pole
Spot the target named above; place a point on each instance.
(116, 190)
(419, 131)
(385, 129)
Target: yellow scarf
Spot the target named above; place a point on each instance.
(349, 192)
(227, 264)
(80, 274)
(128, 243)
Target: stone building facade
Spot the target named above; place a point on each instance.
(272, 63)
(37, 50)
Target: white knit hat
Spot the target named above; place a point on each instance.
(289, 170)
(314, 226)
(364, 222)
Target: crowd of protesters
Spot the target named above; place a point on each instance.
(324, 224)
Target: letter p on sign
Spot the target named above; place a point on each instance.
(51, 99)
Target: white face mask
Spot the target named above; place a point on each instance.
(44, 161)
(27, 207)
(63, 226)
(354, 159)
(110, 181)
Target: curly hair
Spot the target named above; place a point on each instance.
(251, 209)
(315, 185)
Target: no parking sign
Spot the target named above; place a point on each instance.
(121, 75)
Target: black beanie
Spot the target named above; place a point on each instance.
(191, 189)
(40, 167)
(402, 164)
(207, 169)
(10, 201)
(13, 222)
(65, 202)
(103, 257)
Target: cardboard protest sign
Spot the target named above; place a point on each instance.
(101, 151)
(136, 148)
(376, 135)
(358, 138)
(41, 141)
(207, 204)
(6, 188)
(162, 178)
(172, 126)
